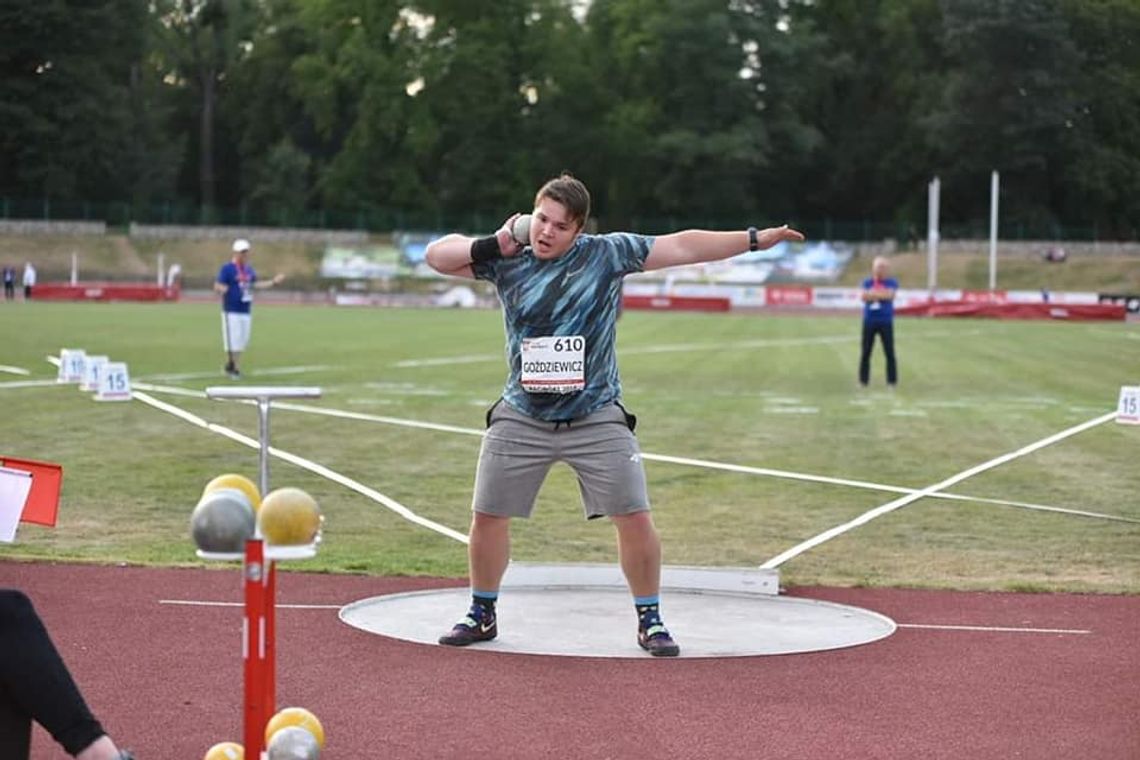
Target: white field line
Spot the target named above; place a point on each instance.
(306, 464)
(660, 349)
(258, 372)
(937, 494)
(202, 603)
(891, 506)
(668, 348)
(28, 383)
(744, 469)
(993, 629)
(14, 370)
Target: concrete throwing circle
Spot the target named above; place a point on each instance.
(706, 610)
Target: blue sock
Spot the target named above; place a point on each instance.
(485, 599)
(648, 607)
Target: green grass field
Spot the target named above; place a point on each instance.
(755, 391)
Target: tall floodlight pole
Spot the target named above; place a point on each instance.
(932, 199)
(993, 230)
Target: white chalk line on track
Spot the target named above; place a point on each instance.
(204, 603)
(891, 506)
(994, 629)
(704, 463)
(914, 626)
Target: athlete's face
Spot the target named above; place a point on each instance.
(552, 231)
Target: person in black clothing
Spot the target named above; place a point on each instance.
(9, 282)
(35, 685)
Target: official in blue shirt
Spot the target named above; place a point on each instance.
(879, 319)
(236, 282)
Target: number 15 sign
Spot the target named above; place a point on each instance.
(1128, 413)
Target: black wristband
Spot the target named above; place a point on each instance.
(485, 249)
(753, 244)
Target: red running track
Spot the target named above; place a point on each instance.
(165, 679)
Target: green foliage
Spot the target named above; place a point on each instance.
(74, 86)
(742, 112)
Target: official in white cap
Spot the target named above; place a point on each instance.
(236, 282)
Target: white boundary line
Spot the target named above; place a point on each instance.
(28, 383)
(662, 348)
(659, 349)
(14, 370)
(306, 464)
(269, 371)
(202, 603)
(992, 629)
(891, 506)
(913, 626)
(365, 417)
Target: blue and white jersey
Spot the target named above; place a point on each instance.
(573, 301)
(879, 312)
(238, 280)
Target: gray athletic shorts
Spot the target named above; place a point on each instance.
(518, 451)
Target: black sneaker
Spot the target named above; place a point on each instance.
(653, 637)
(479, 625)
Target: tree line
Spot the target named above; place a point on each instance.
(723, 111)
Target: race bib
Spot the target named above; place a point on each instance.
(554, 364)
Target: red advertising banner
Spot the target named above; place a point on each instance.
(1071, 312)
(789, 295)
(677, 303)
(985, 296)
(104, 291)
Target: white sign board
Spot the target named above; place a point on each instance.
(114, 383)
(92, 371)
(72, 363)
(1128, 410)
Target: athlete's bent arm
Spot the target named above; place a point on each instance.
(452, 254)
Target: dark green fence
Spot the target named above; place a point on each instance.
(384, 220)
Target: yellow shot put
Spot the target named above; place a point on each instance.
(225, 751)
(295, 716)
(240, 482)
(289, 517)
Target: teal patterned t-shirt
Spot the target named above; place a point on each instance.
(577, 294)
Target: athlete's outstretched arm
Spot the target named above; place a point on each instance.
(696, 246)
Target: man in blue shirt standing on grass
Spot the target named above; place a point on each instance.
(236, 281)
(879, 319)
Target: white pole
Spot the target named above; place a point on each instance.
(932, 201)
(161, 276)
(993, 230)
(74, 267)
